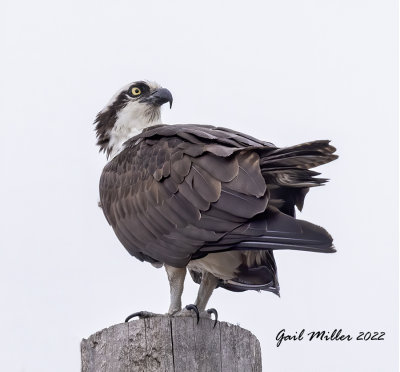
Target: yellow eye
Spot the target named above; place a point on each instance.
(136, 91)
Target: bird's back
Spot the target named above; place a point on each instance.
(179, 192)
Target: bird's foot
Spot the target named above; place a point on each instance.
(192, 311)
(189, 311)
(141, 315)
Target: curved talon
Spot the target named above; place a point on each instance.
(139, 314)
(215, 312)
(195, 309)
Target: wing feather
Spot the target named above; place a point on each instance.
(178, 191)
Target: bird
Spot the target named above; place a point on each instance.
(203, 199)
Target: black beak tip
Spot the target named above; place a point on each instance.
(161, 96)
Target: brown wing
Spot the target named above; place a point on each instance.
(175, 189)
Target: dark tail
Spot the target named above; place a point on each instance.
(276, 230)
(304, 156)
(288, 175)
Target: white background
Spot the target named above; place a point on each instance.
(284, 71)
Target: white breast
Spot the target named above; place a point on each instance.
(131, 120)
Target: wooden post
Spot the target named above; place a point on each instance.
(168, 344)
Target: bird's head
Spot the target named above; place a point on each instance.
(133, 108)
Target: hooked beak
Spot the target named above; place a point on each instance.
(159, 97)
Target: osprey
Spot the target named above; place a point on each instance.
(206, 199)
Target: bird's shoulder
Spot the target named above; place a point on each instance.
(161, 151)
(201, 133)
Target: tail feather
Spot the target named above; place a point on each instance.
(285, 232)
(304, 156)
(273, 230)
(287, 172)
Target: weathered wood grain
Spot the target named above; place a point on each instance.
(159, 344)
(174, 344)
(208, 346)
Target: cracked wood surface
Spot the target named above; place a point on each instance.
(174, 344)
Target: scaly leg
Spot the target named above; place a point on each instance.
(176, 277)
(208, 284)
